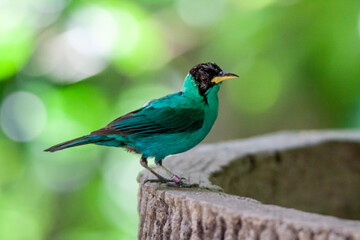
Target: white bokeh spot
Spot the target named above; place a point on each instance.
(23, 116)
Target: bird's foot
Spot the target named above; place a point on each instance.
(175, 181)
(178, 182)
(182, 184)
(159, 180)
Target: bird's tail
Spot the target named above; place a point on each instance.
(72, 143)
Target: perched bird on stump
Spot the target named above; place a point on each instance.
(168, 125)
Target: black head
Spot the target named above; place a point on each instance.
(203, 73)
(207, 75)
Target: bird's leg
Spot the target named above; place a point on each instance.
(176, 179)
(144, 163)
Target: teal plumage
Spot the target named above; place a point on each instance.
(168, 125)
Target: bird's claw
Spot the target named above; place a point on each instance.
(182, 184)
(175, 181)
(159, 180)
(188, 185)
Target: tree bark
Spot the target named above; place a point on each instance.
(306, 186)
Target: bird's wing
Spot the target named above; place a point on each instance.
(156, 119)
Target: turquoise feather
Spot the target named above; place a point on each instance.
(168, 125)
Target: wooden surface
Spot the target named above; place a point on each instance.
(314, 171)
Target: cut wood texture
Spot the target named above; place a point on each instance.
(289, 185)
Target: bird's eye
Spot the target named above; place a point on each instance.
(204, 78)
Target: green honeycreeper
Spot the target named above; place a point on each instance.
(168, 125)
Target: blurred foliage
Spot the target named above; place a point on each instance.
(69, 67)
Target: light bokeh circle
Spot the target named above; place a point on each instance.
(23, 116)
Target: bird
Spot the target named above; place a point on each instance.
(165, 126)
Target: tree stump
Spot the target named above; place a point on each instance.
(280, 186)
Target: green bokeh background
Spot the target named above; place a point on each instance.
(70, 67)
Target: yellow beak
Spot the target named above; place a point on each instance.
(223, 76)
